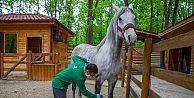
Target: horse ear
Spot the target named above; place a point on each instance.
(130, 6)
(115, 7)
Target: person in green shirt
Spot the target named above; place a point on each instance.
(75, 73)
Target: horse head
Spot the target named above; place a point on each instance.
(125, 24)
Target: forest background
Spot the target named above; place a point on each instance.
(89, 19)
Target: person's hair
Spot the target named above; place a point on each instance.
(92, 68)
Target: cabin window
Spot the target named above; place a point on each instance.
(10, 43)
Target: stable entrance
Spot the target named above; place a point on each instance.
(35, 44)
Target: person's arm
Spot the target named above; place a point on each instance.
(84, 91)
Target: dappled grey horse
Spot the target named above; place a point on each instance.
(107, 54)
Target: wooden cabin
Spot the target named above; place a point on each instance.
(20, 33)
(44, 36)
(180, 59)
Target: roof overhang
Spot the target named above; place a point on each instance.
(181, 27)
(143, 34)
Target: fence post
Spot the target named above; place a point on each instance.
(1, 66)
(56, 63)
(123, 68)
(30, 64)
(130, 60)
(146, 68)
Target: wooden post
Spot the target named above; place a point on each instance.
(162, 59)
(27, 66)
(54, 57)
(123, 68)
(130, 60)
(30, 65)
(146, 68)
(56, 63)
(1, 66)
(43, 57)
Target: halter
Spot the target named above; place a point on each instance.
(122, 30)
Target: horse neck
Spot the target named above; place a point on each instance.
(112, 40)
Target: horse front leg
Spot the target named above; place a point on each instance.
(111, 85)
(98, 85)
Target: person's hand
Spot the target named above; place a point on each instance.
(88, 58)
(99, 96)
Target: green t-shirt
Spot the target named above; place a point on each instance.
(73, 74)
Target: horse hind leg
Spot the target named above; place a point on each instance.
(111, 85)
(74, 89)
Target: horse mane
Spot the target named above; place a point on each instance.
(101, 43)
(112, 26)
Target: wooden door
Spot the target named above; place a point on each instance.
(35, 44)
(174, 59)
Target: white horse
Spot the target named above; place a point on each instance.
(107, 54)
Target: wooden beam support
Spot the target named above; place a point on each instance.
(180, 41)
(1, 66)
(30, 65)
(123, 68)
(146, 68)
(56, 63)
(130, 59)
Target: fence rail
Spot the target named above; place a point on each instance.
(38, 66)
(132, 62)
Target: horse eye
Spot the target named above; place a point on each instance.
(120, 19)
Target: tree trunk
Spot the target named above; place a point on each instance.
(193, 6)
(68, 13)
(126, 3)
(175, 12)
(167, 12)
(151, 16)
(89, 39)
(51, 8)
(55, 8)
(38, 6)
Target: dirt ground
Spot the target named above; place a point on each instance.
(42, 89)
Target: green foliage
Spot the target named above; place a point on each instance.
(73, 14)
(139, 43)
(11, 43)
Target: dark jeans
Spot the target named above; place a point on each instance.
(59, 93)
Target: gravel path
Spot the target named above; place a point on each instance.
(42, 89)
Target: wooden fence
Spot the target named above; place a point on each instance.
(37, 66)
(178, 78)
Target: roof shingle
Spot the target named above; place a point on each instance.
(20, 17)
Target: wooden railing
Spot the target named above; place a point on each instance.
(178, 78)
(38, 66)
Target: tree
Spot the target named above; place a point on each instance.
(175, 12)
(90, 22)
(167, 10)
(153, 15)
